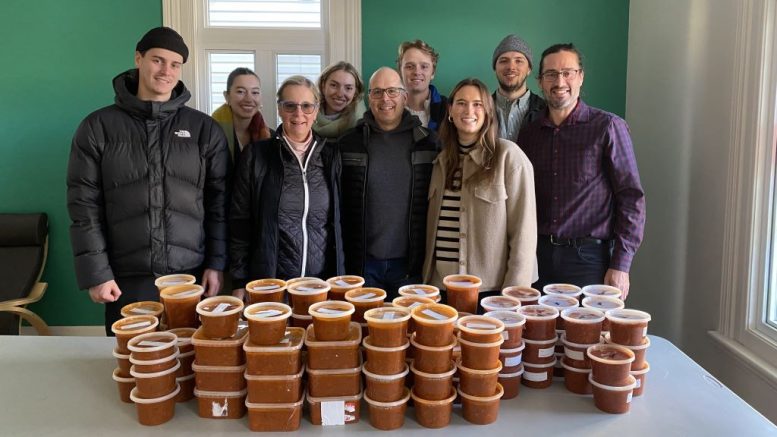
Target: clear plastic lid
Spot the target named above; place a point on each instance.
(220, 306)
(462, 281)
(281, 406)
(402, 401)
(138, 400)
(563, 289)
(627, 316)
(434, 313)
(645, 369)
(266, 286)
(188, 291)
(628, 387)
(610, 354)
(445, 401)
(645, 343)
(479, 372)
(315, 400)
(292, 340)
(543, 366)
(184, 335)
(237, 340)
(267, 312)
(308, 288)
(480, 325)
(410, 302)
(331, 309)
(293, 281)
(443, 375)
(602, 303)
(496, 303)
(176, 279)
(218, 369)
(582, 315)
(514, 350)
(540, 342)
(118, 378)
(422, 290)
(129, 325)
(170, 357)
(272, 378)
(515, 374)
(568, 343)
(367, 345)
(384, 378)
(141, 375)
(538, 312)
(354, 338)
(602, 290)
(433, 348)
(152, 342)
(142, 308)
(521, 293)
(323, 372)
(365, 294)
(346, 281)
(511, 319)
(574, 369)
(220, 394)
(387, 315)
(495, 397)
(558, 301)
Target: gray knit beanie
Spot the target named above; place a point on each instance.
(512, 43)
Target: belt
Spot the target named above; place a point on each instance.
(573, 242)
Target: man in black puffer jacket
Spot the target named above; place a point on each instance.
(147, 184)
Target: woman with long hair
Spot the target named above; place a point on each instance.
(482, 216)
(342, 105)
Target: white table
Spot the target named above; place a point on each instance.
(62, 386)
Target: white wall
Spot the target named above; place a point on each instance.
(678, 104)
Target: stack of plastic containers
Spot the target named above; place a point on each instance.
(274, 368)
(125, 329)
(334, 363)
(185, 375)
(154, 358)
(539, 337)
(462, 292)
(433, 367)
(481, 339)
(385, 369)
(219, 363)
(582, 329)
(180, 303)
(304, 292)
(266, 290)
(628, 328)
(511, 352)
(561, 297)
(343, 284)
(363, 300)
(613, 385)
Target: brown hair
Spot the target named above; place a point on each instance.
(348, 68)
(420, 45)
(449, 136)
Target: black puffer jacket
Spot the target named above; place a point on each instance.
(147, 189)
(269, 207)
(353, 150)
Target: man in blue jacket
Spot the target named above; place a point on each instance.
(417, 63)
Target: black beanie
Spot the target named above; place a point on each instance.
(163, 38)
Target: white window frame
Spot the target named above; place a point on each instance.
(341, 20)
(750, 195)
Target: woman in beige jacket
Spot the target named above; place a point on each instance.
(482, 216)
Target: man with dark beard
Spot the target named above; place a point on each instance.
(515, 104)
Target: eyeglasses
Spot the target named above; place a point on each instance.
(552, 75)
(291, 107)
(377, 93)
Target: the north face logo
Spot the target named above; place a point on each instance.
(182, 133)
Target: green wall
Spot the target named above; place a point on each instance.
(59, 58)
(466, 33)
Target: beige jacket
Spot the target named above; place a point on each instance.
(498, 240)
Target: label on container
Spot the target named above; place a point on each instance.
(333, 413)
(267, 313)
(136, 325)
(364, 296)
(309, 289)
(434, 314)
(286, 338)
(546, 352)
(574, 355)
(480, 326)
(388, 315)
(639, 383)
(219, 410)
(220, 308)
(513, 361)
(414, 304)
(644, 331)
(628, 398)
(466, 284)
(330, 311)
(186, 293)
(265, 287)
(151, 343)
(142, 311)
(535, 376)
(170, 282)
(419, 291)
(242, 324)
(505, 335)
(342, 283)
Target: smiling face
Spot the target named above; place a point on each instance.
(417, 70)
(561, 94)
(387, 110)
(244, 97)
(297, 124)
(339, 90)
(512, 69)
(158, 73)
(468, 113)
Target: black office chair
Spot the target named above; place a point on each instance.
(23, 251)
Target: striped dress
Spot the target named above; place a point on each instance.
(447, 238)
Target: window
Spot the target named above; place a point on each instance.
(275, 38)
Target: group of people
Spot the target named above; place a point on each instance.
(511, 187)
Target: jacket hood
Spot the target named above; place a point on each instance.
(125, 85)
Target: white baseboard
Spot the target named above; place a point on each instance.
(71, 331)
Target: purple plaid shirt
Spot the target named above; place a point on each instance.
(586, 180)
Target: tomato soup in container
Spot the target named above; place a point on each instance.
(266, 290)
(462, 292)
(422, 290)
(343, 284)
(540, 322)
(527, 295)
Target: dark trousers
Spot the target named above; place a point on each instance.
(388, 275)
(581, 265)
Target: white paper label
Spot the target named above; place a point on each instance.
(535, 376)
(505, 335)
(419, 291)
(462, 283)
(547, 352)
(220, 308)
(142, 311)
(628, 398)
(242, 324)
(342, 283)
(330, 311)
(388, 315)
(434, 314)
(309, 289)
(286, 339)
(152, 343)
(265, 287)
(136, 325)
(644, 331)
(219, 410)
(266, 313)
(364, 296)
(574, 355)
(639, 383)
(480, 326)
(414, 304)
(333, 413)
(173, 282)
(186, 293)
(513, 361)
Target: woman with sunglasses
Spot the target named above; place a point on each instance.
(285, 214)
(482, 218)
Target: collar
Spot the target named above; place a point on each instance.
(580, 114)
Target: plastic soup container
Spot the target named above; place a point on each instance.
(514, 323)
(583, 325)
(628, 327)
(613, 399)
(434, 324)
(303, 294)
(500, 303)
(481, 410)
(129, 327)
(226, 352)
(156, 411)
(284, 358)
(527, 295)
(480, 329)
(570, 290)
(602, 290)
(540, 322)
(181, 305)
(266, 290)
(364, 299)
(219, 316)
(422, 290)
(343, 284)
(267, 322)
(331, 319)
(611, 364)
(387, 415)
(431, 413)
(172, 280)
(462, 292)
(387, 326)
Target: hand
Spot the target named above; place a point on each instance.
(106, 292)
(239, 293)
(619, 280)
(212, 281)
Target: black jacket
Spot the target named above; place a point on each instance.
(353, 151)
(265, 241)
(147, 188)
